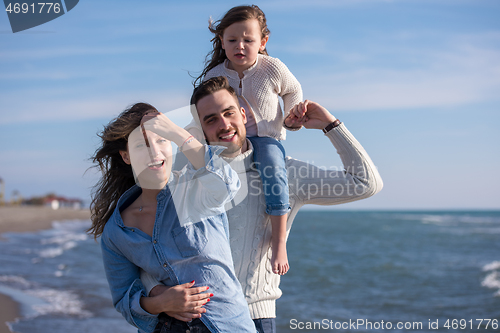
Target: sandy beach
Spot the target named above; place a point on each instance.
(28, 219)
(9, 310)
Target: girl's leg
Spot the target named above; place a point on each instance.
(279, 259)
(269, 157)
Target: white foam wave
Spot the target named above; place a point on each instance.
(61, 268)
(59, 302)
(437, 219)
(51, 252)
(64, 238)
(38, 301)
(15, 281)
(492, 280)
(57, 251)
(74, 225)
(492, 266)
(450, 219)
(66, 235)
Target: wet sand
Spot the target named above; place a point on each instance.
(28, 219)
(9, 311)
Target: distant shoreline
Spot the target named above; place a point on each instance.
(34, 218)
(29, 219)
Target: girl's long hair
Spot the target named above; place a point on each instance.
(117, 176)
(234, 15)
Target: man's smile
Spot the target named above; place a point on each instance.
(227, 136)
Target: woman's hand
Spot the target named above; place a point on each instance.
(183, 302)
(160, 124)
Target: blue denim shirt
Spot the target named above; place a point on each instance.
(181, 248)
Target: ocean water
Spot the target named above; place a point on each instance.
(396, 267)
(350, 272)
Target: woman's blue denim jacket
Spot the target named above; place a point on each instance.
(190, 241)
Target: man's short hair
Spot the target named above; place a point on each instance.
(210, 87)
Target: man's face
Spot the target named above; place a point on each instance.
(223, 122)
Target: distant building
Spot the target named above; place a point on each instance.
(2, 192)
(57, 202)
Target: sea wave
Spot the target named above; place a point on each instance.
(492, 280)
(492, 266)
(59, 302)
(66, 235)
(449, 219)
(37, 300)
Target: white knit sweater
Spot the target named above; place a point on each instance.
(261, 86)
(250, 227)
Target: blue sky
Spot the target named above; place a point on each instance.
(416, 81)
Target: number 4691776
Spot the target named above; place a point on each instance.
(24, 8)
(464, 324)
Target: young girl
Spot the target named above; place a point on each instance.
(239, 53)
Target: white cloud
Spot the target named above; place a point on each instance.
(61, 52)
(284, 5)
(37, 75)
(389, 89)
(38, 108)
(294, 4)
(464, 71)
(50, 163)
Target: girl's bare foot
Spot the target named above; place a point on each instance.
(279, 259)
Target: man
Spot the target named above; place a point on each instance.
(222, 121)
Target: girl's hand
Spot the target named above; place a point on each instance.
(296, 116)
(311, 115)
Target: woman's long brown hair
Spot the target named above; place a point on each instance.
(117, 176)
(234, 15)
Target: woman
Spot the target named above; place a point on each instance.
(170, 224)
